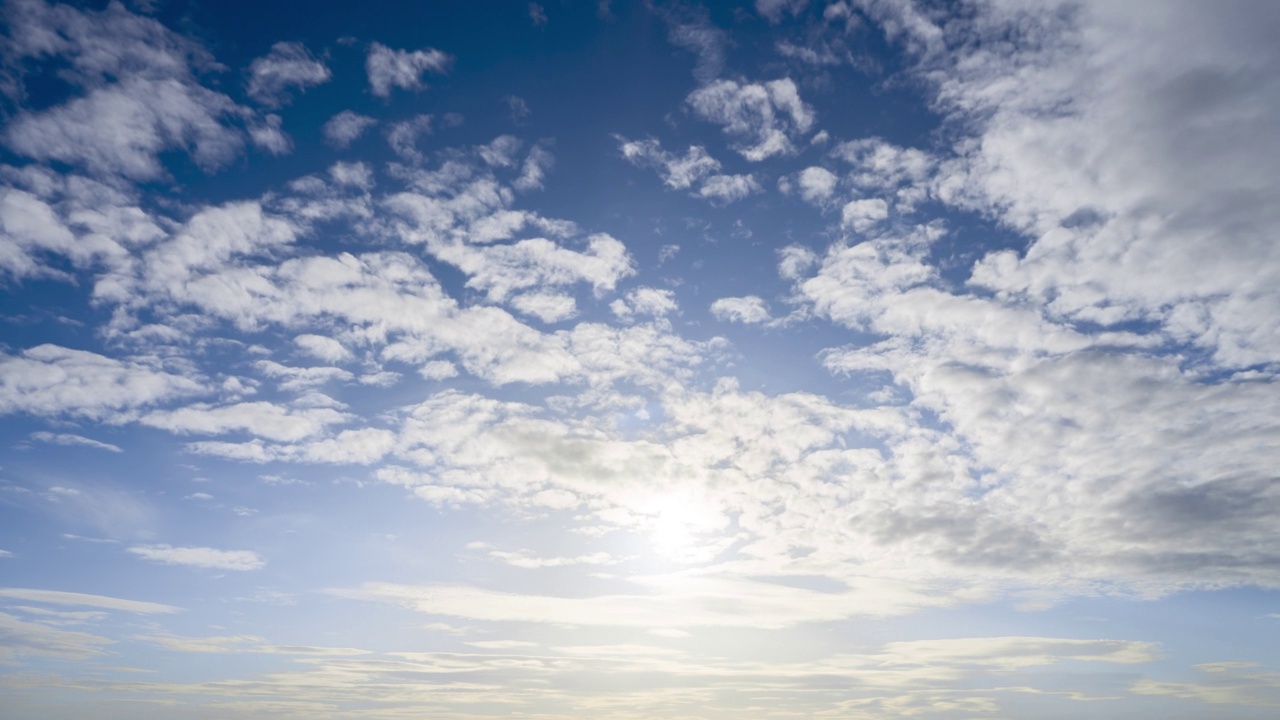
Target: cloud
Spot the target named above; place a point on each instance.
(677, 173)
(262, 419)
(388, 69)
(403, 137)
(772, 10)
(654, 302)
(696, 167)
(141, 93)
(765, 117)
(289, 65)
(750, 309)
(728, 188)
(674, 602)
(346, 127)
(222, 644)
(547, 307)
(691, 29)
(201, 557)
(537, 14)
(50, 380)
(122, 129)
(18, 637)
(322, 348)
(72, 440)
(58, 597)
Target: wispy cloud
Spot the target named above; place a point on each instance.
(201, 557)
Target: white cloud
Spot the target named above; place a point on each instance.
(728, 188)
(678, 173)
(654, 302)
(261, 419)
(388, 68)
(59, 597)
(403, 137)
(322, 348)
(289, 65)
(141, 96)
(750, 309)
(766, 117)
(346, 127)
(678, 602)
(30, 228)
(694, 168)
(72, 440)
(27, 638)
(817, 184)
(50, 380)
(268, 135)
(862, 215)
(528, 561)
(122, 129)
(691, 29)
(202, 557)
(547, 307)
(773, 10)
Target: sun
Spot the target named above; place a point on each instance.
(684, 524)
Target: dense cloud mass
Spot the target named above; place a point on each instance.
(857, 359)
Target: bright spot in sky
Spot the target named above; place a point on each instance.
(685, 526)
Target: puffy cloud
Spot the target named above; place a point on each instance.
(728, 188)
(403, 137)
(653, 302)
(678, 173)
(346, 127)
(547, 307)
(30, 228)
(750, 309)
(388, 68)
(695, 167)
(323, 348)
(141, 93)
(201, 557)
(52, 381)
(262, 419)
(766, 117)
(817, 184)
(289, 65)
(123, 128)
(268, 135)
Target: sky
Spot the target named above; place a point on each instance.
(850, 359)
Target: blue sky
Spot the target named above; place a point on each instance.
(855, 359)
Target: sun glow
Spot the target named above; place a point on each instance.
(685, 526)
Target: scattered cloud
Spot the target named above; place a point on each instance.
(389, 69)
(346, 127)
(72, 440)
(289, 66)
(766, 118)
(201, 557)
